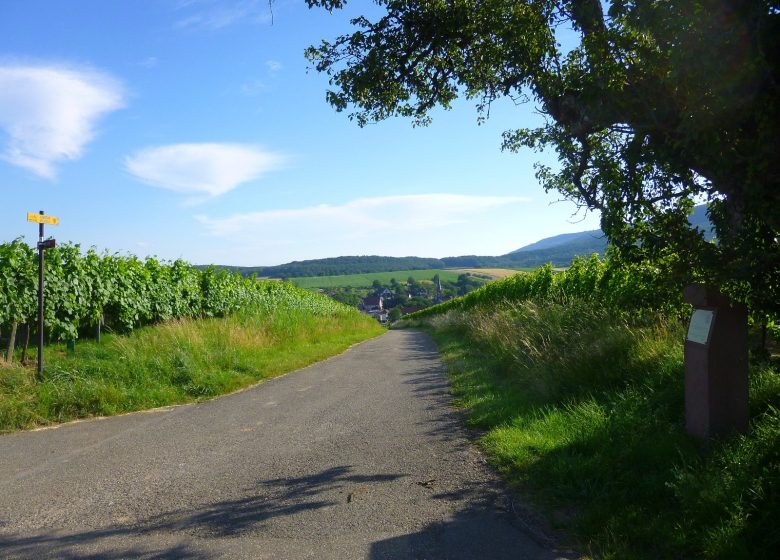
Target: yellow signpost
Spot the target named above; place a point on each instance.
(42, 219)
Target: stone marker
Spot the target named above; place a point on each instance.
(716, 364)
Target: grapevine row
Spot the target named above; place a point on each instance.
(632, 288)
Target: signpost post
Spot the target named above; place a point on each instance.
(716, 364)
(41, 219)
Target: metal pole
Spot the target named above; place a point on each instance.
(40, 302)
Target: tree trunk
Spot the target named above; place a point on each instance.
(26, 342)
(9, 357)
(764, 349)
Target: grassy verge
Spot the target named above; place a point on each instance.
(176, 362)
(583, 409)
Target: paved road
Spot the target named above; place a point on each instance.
(355, 457)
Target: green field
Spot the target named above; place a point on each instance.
(365, 280)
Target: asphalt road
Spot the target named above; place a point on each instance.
(359, 456)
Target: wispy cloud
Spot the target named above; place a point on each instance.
(254, 88)
(437, 224)
(217, 14)
(257, 86)
(209, 168)
(149, 62)
(49, 112)
(358, 218)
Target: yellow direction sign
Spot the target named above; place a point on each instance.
(42, 219)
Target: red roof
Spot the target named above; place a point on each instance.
(410, 309)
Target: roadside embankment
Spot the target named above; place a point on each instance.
(581, 405)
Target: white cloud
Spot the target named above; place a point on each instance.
(359, 218)
(49, 112)
(425, 225)
(217, 14)
(209, 168)
(273, 65)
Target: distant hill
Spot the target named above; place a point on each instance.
(583, 242)
(558, 250)
(594, 241)
(699, 220)
(582, 238)
(559, 254)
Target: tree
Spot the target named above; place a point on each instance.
(346, 297)
(399, 292)
(466, 283)
(657, 105)
(395, 314)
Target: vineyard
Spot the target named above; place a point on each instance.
(84, 290)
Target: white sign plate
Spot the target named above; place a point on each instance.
(701, 325)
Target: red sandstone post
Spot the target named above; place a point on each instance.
(716, 364)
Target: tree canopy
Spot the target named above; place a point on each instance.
(656, 106)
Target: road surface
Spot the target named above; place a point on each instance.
(359, 456)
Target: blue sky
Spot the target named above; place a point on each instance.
(194, 129)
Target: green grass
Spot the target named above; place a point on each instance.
(583, 409)
(365, 280)
(176, 362)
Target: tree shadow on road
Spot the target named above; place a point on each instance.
(279, 497)
(270, 499)
(101, 544)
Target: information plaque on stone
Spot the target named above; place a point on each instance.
(701, 324)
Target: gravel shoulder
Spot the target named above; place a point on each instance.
(359, 456)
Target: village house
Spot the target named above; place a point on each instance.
(373, 304)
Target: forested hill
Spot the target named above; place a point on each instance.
(342, 265)
(559, 255)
